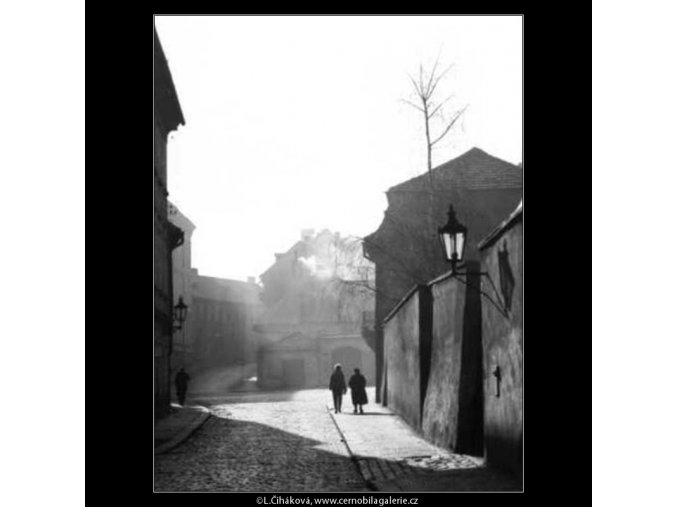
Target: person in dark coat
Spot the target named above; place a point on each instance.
(337, 384)
(181, 383)
(358, 392)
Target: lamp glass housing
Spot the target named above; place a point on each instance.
(452, 236)
(180, 310)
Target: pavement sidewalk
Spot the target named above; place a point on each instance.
(176, 427)
(182, 422)
(391, 456)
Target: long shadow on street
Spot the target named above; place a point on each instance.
(233, 455)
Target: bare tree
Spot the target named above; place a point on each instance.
(434, 111)
(356, 274)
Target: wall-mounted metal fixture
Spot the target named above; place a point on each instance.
(497, 373)
(180, 311)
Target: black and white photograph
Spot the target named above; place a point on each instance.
(338, 253)
(338, 299)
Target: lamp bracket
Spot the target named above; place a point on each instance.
(500, 307)
(462, 266)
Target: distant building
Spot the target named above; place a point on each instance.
(405, 248)
(218, 330)
(222, 316)
(317, 303)
(166, 118)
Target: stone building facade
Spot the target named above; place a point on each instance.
(222, 317)
(452, 409)
(167, 117)
(406, 351)
(218, 330)
(453, 353)
(503, 345)
(306, 360)
(317, 311)
(183, 276)
(433, 361)
(405, 248)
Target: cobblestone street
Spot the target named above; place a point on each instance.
(290, 441)
(282, 441)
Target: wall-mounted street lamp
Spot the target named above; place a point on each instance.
(180, 310)
(453, 237)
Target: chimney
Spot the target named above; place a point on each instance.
(307, 234)
(251, 279)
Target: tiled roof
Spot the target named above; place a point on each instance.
(299, 247)
(223, 289)
(474, 170)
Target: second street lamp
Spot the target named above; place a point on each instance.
(180, 310)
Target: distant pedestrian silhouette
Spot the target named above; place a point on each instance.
(337, 384)
(358, 392)
(181, 383)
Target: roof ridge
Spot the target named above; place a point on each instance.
(217, 278)
(455, 161)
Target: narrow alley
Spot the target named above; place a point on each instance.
(298, 259)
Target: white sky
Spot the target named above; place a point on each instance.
(296, 122)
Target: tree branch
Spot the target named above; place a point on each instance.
(413, 81)
(412, 105)
(432, 75)
(351, 284)
(439, 78)
(451, 124)
(440, 105)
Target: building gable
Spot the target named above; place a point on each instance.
(167, 108)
